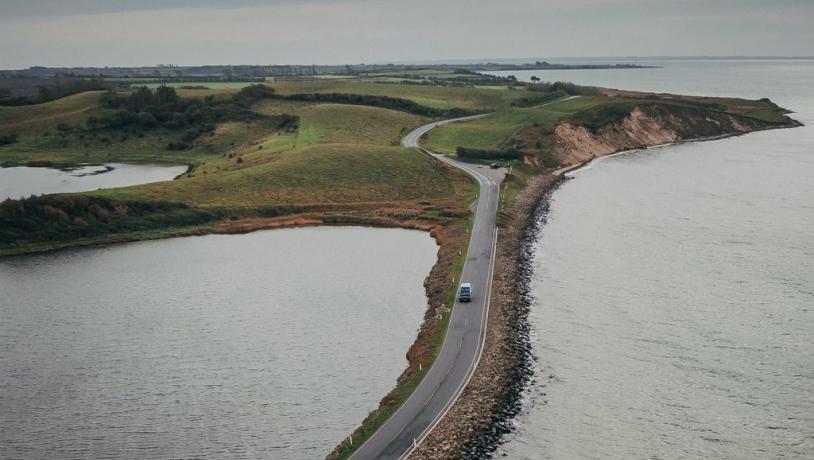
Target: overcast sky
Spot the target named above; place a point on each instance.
(190, 32)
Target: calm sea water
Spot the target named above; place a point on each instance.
(267, 345)
(674, 287)
(22, 181)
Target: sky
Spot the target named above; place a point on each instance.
(69, 33)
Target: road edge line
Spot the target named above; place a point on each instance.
(481, 346)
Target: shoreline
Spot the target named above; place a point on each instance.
(474, 425)
(449, 238)
(485, 412)
(576, 167)
(487, 406)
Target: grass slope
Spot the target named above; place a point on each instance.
(499, 131)
(340, 155)
(439, 97)
(317, 175)
(495, 131)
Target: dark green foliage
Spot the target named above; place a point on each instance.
(286, 122)
(253, 93)
(464, 152)
(394, 103)
(8, 139)
(548, 159)
(60, 88)
(574, 90)
(538, 99)
(50, 218)
(568, 88)
(462, 78)
(146, 108)
(596, 118)
(177, 146)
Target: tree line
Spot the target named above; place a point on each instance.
(483, 154)
(51, 218)
(386, 102)
(59, 89)
(162, 107)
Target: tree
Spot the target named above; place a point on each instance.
(534, 79)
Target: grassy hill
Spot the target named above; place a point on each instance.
(532, 130)
(256, 152)
(262, 159)
(339, 161)
(496, 131)
(435, 96)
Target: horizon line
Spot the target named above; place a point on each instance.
(449, 61)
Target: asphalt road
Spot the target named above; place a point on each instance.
(464, 340)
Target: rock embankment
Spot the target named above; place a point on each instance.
(483, 412)
(475, 424)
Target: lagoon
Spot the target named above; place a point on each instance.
(274, 344)
(23, 181)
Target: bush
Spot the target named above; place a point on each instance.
(539, 99)
(145, 109)
(548, 159)
(58, 89)
(253, 93)
(480, 154)
(574, 90)
(51, 218)
(177, 146)
(386, 102)
(8, 139)
(596, 118)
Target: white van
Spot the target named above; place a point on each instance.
(465, 292)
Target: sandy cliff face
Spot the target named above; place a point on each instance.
(645, 126)
(576, 144)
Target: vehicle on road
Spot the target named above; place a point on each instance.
(494, 165)
(465, 293)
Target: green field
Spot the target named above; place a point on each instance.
(509, 127)
(340, 154)
(440, 97)
(495, 131)
(333, 153)
(259, 161)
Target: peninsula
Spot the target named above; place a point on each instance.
(352, 148)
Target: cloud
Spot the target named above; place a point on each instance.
(13, 9)
(354, 31)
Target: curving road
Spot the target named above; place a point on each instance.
(464, 340)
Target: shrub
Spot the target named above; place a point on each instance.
(145, 109)
(387, 102)
(51, 218)
(8, 139)
(539, 99)
(480, 154)
(573, 89)
(548, 159)
(253, 93)
(596, 118)
(57, 88)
